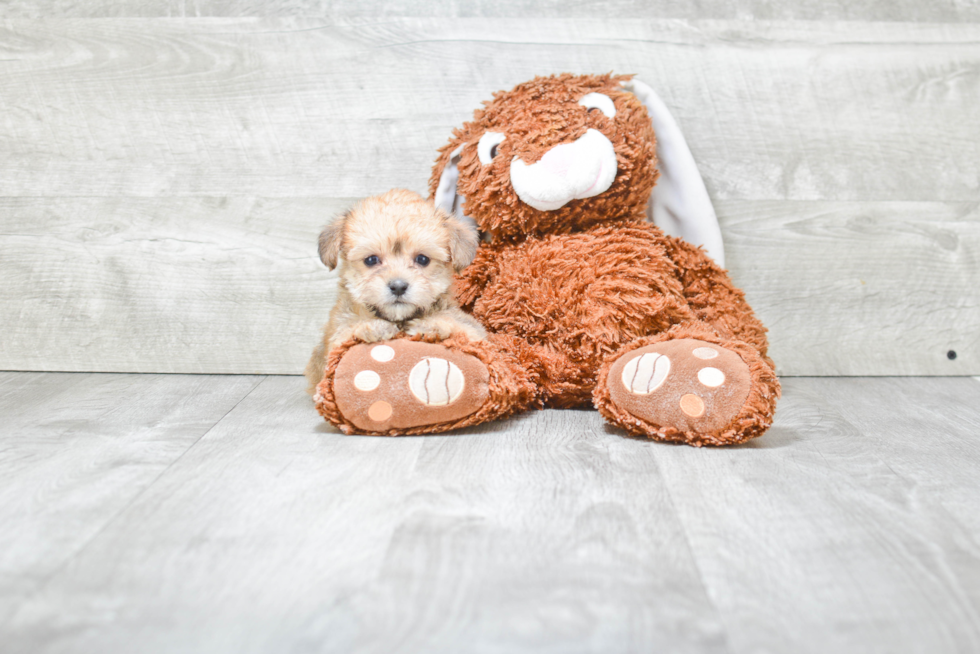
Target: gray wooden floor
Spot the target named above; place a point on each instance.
(176, 513)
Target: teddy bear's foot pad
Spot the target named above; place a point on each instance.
(687, 384)
(401, 384)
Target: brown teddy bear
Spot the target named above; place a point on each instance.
(586, 303)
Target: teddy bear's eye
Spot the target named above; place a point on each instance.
(372, 260)
(422, 260)
(487, 149)
(599, 101)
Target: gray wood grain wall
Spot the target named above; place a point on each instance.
(162, 180)
(882, 10)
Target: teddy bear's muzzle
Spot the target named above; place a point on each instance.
(570, 171)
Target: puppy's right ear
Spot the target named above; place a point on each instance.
(464, 239)
(330, 241)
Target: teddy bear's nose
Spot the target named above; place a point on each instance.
(571, 171)
(398, 287)
(558, 161)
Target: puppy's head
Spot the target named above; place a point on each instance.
(397, 252)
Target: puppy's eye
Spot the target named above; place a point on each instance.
(372, 260)
(486, 149)
(422, 260)
(599, 101)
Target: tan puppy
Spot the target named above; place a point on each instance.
(397, 254)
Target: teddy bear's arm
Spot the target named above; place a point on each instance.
(712, 296)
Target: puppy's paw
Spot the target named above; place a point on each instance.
(431, 328)
(442, 327)
(472, 332)
(373, 331)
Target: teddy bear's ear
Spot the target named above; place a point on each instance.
(680, 204)
(445, 197)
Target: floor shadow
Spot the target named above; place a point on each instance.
(326, 428)
(493, 427)
(777, 437)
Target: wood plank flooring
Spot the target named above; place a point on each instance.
(176, 513)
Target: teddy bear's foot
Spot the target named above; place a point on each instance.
(682, 386)
(400, 385)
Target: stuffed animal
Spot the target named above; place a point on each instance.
(586, 302)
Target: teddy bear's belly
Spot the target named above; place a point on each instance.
(581, 296)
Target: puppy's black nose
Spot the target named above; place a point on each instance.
(398, 287)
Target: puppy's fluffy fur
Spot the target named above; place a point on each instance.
(397, 254)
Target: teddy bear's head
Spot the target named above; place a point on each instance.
(554, 155)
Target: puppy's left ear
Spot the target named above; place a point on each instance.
(463, 240)
(330, 241)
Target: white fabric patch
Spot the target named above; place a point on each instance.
(680, 204)
(566, 172)
(599, 101)
(645, 374)
(711, 377)
(382, 353)
(367, 380)
(705, 352)
(436, 382)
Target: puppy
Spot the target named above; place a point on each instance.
(397, 254)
